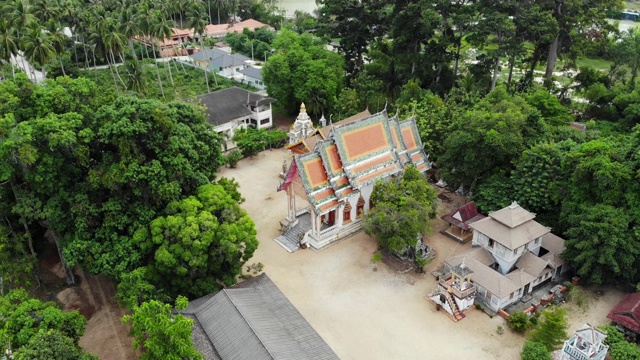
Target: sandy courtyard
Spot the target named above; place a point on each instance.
(366, 314)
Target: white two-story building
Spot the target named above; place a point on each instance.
(512, 255)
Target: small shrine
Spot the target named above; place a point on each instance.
(455, 292)
(586, 344)
(302, 128)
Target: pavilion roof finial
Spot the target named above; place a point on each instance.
(302, 107)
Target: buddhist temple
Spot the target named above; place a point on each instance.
(333, 171)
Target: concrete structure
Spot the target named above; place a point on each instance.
(586, 344)
(455, 293)
(512, 255)
(253, 320)
(302, 128)
(253, 76)
(234, 108)
(221, 62)
(335, 179)
(169, 47)
(219, 31)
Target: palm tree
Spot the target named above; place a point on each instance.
(19, 14)
(128, 26)
(197, 22)
(161, 29)
(37, 46)
(45, 10)
(58, 40)
(8, 44)
(135, 77)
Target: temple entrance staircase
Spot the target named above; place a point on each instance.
(291, 237)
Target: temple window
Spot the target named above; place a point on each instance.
(360, 207)
(346, 216)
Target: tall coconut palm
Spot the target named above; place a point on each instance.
(8, 44)
(128, 26)
(58, 40)
(161, 28)
(135, 77)
(45, 10)
(18, 12)
(197, 22)
(37, 46)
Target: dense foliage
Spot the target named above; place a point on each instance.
(619, 348)
(35, 329)
(535, 351)
(552, 330)
(403, 207)
(302, 70)
(117, 187)
(201, 242)
(161, 333)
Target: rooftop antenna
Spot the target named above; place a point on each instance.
(248, 97)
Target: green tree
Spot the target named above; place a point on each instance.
(403, 208)
(134, 289)
(162, 333)
(201, 242)
(52, 344)
(500, 125)
(552, 330)
(600, 245)
(37, 46)
(15, 263)
(21, 318)
(302, 70)
(535, 351)
(519, 322)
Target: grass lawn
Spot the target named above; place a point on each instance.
(188, 81)
(596, 63)
(632, 5)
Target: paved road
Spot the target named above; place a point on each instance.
(32, 73)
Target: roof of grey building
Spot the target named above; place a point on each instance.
(252, 72)
(208, 54)
(254, 320)
(219, 58)
(230, 104)
(512, 226)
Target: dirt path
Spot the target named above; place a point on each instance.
(366, 314)
(105, 335)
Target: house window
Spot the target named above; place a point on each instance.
(360, 207)
(346, 215)
(491, 243)
(511, 296)
(264, 121)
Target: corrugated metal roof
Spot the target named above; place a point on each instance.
(254, 320)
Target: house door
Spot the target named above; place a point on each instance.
(526, 289)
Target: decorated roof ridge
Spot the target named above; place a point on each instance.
(303, 159)
(396, 134)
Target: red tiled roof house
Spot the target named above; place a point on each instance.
(627, 312)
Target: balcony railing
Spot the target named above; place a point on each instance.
(460, 294)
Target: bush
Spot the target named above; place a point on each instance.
(535, 351)
(232, 158)
(519, 321)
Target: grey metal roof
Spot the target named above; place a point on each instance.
(208, 54)
(227, 60)
(231, 103)
(252, 72)
(254, 320)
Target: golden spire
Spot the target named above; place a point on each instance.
(302, 108)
